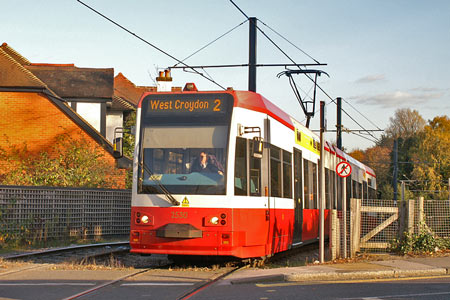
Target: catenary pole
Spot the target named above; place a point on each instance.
(322, 186)
(252, 55)
(339, 123)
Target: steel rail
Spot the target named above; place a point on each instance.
(63, 249)
(209, 283)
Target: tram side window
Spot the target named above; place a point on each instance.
(339, 191)
(348, 191)
(356, 189)
(365, 192)
(329, 188)
(310, 184)
(240, 167)
(275, 172)
(359, 189)
(255, 174)
(287, 174)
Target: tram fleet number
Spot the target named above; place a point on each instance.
(179, 214)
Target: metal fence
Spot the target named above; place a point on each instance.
(42, 213)
(435, 214)
(371, 225)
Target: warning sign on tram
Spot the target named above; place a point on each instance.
(343, 169)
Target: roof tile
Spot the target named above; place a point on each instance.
(13, 74)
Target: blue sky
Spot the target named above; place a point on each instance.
(382, 55)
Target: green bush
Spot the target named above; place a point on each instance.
(416, 243)
(68, 162)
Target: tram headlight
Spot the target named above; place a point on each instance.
(144, 219)
(214, 220)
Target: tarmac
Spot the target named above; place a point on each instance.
(402, 267)
(374, 267)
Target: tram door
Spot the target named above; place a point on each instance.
(298, 194)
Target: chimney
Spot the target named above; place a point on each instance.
(164, 81)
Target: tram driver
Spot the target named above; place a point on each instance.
(207, 163)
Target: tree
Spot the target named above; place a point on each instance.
(358, 154)
(405, 127)
(432, 158)
(405, 124)
(379, 159)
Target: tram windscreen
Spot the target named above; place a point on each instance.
(183, 152)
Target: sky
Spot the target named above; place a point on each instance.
(380, 55)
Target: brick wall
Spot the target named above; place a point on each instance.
(33, 119)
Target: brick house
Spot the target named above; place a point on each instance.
(32, 111)
(89, 91)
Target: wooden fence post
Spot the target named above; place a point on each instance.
(411, 216)
(421, 220)
(402, 215)
(355, 225)
(333, 234)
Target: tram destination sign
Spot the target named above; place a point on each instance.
(186, 104)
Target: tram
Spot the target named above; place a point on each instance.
(228, 173)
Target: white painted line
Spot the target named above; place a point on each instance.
(24, 269)
(96, 288)
(157, 283)
(49, 284)
(400, 296)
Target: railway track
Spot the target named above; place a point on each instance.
(150, 278)
(79, 253)
(197, 288)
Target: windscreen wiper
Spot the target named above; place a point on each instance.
(168, 195)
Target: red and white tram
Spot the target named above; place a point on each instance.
(228, 173)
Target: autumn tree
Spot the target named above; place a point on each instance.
(432, 158)
(358, 154)
(405, 123)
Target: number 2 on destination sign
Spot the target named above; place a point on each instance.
(217, 107)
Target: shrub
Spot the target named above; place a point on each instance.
(68, 162)
(416, 243)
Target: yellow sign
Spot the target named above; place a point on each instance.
(307, 141)
(185, 202)
(155, 177)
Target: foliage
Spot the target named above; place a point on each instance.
(423, 242)
(378, 158)
(433, 158)
(358, 154)
(128, 137)
(128, 144)
(405, 123)
(67, 162)
(423, 155)
(13, 233)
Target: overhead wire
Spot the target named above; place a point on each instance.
(361, 114)
(320, 88)
(148, 43)
(292, 44)
(210, 43)
(287, 56)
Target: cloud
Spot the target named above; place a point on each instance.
(371, 78)
(400, 98)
